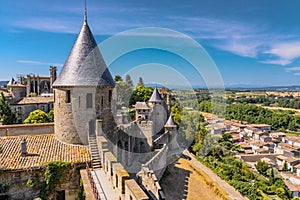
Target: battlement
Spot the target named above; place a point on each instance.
(123, 186)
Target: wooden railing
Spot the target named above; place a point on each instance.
(93, 184)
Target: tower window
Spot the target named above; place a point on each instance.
(102, 103)
(79, 101)
(68, 96)
(89, 100)
(109, 95)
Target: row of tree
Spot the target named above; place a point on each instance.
(285, 102)
(279, 119)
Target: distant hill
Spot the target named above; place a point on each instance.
(3, 83)
(293, 88)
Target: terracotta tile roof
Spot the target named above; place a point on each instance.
(277, 134)
(258, 143)
(294, 139)
(261, 125)
(41, 150)
(281, 157)
(262, 150)
(292, 187)
(34, 100)
(288, 146)
(142, 106)
(297, 166)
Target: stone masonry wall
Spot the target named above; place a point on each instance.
(27, 129)
(65, 129)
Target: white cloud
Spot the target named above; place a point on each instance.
(282, 62)
(285, 52)
(33, 62)
(292, 69)
(47, 25)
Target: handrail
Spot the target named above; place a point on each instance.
(93, 184)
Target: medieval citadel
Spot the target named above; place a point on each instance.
(130, 157)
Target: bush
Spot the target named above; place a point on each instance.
(37, 116)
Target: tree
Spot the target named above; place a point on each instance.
(123, 93)
(6, 114)
(37, 116)
(140, 82)
(51, 115)
(128, 80)
(199, 138)
(285, 166)
(262, 167)
(118, 78)
(140, 94)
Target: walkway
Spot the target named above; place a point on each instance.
(234, 194)
(104, 186)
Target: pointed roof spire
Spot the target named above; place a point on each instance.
(170, 122)
(85, 65)
(85, 17)
(155, 97)
(11, 82)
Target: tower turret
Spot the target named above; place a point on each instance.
(83, 91)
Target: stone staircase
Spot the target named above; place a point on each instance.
(94, 151)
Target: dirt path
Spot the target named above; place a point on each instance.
(183, 181)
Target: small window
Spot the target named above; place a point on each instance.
(78, 101)
(102, 103)
(68, 96)
(61, 195)
(109, 95)
(89, 100)
(117, 181)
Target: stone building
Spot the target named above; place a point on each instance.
(26, 105)
(37, 84)
(21, 162)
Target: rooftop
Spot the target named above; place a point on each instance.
(294, 139)
(170, 122)
(85, 65)
(141, 106)
(155, 97)
(41, 150)
(35, 100)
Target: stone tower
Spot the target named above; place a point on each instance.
(83, 91)
(53, 76)
(171, 129)
(159, 112)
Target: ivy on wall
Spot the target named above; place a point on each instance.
(54, 175)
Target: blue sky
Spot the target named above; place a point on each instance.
(252, 42)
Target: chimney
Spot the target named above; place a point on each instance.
(23, 147)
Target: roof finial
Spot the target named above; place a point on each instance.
(85, 18)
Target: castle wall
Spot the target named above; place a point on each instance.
(117, 175)
(27, 129)
(105, 109)
(19, 191)
(158, 163)
(133, 191)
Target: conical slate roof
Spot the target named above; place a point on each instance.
(85, 65)
(11, 81)
(155, 97)
(170, 122)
